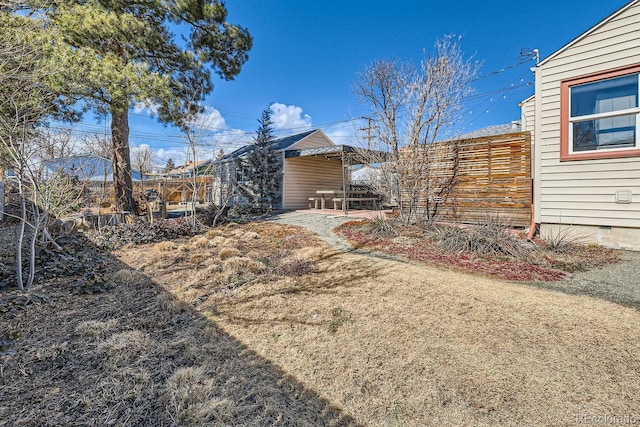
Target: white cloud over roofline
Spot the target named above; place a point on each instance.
(289, 117)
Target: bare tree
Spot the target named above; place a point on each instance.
(55, 143)
(413, 107)
(197, 136)
(383, 86)
(26, 101)
(22, 108)
(201, 141)
(97, 145)
(192, 133)
(143, 162)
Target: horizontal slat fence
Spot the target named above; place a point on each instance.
(491, 177)
(170, 190)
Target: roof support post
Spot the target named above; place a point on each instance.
(345, 184)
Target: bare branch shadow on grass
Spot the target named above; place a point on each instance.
(136, 356)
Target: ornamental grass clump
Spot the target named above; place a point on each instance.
(380, 226)
(487, 240)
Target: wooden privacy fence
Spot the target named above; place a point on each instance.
(170, 190)
(484, 177)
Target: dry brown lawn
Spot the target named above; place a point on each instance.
(394, 343)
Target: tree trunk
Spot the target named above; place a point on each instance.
(20, 238)
(123, 187)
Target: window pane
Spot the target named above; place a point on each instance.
(584, 136)
(605, 96)
(611, 132)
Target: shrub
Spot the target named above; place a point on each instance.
(165, 246)
(561, 240)
(213, 215)
(383, 227)
(198, 258)
(213, 233)
(243, 264)
(490, 239)
(199, 242)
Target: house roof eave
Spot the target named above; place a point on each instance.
(587, 33)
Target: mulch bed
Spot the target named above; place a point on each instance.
(541, 265)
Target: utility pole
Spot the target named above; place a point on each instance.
(369, 136)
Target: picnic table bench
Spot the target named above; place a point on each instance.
(315, 201)
(338, 198)
(360, 200)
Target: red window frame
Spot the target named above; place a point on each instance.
(565, 87)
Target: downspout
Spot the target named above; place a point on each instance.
(532, 227)
(537, 148)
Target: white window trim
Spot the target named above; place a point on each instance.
(585, 118)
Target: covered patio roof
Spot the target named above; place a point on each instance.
(347, 153)
(348, 156)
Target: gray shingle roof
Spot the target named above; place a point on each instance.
(276, 144)
(86, 168)
(512, 127)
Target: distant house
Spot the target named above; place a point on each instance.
(310, 161)
(203, 167)
(584, 118)
(95, 172)
(85, 168)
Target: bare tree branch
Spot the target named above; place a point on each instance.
(412, 109)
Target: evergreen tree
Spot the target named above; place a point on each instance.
(169, 166)
(123, 52)
(261, 168)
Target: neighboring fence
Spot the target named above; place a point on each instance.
(490, 176)
(170, 190)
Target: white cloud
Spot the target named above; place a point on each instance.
(179, 156)
(346, 134)
(150, 107)
(142, 146)
(162, 155)
(210, 118)
(289, 117)
(228, 140)
(232, 139)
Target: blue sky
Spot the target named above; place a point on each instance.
(307, 54)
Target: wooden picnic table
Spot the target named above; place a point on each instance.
(334, 194)
(324, 194)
